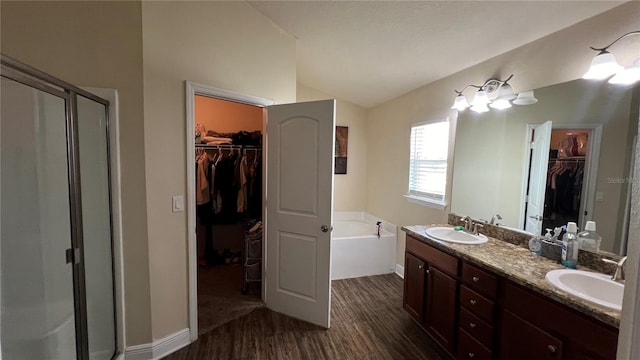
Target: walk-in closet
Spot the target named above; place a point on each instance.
(229, 191)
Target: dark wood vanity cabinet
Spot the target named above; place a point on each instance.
(474, 313)
(414, 283)
(477, 313)
(430, 291)
(441, 307)
(551, 330)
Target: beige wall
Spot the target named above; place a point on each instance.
(349, 192)
(556, 58)
(227, 45)
(98, 44)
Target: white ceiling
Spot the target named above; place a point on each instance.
(368, 52)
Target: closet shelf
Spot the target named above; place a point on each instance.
(568, 158)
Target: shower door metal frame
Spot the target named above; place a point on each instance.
(27, 75)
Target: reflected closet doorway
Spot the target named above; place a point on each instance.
(573, 155)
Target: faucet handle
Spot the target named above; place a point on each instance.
(475, 228)
(616, 263)
(622, 261)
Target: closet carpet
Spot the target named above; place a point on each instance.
(219, 296)
(367, 322)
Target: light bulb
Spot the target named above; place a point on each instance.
(480, 108)
(602, 66)
(481, 98)
(628, 75)
(500, 104)
(460, 103)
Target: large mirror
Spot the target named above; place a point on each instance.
(584, 173)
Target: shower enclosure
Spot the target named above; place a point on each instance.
(56, 248)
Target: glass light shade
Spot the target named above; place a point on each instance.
(602, 66)
(627, 76)
(500, 104)
(525, 98)
(506, 92)
(481, 98)
(460, 103)
(480, 108)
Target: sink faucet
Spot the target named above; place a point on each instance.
(470, 227)
(619, 274)
(475, 228)
(494, 218)
(468, 223)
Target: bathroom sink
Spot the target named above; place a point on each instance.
(448, 234)
(593, 287)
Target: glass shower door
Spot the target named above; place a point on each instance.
(37, 317)
(96, 221)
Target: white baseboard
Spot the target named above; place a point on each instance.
(159, 348)
(400, 270)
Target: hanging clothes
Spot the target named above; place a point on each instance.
(202, 182)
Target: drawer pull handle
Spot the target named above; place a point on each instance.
(472, 325)
(475, 279)
(552, 349)
(472, 302)
(420, 267)
(471, 355)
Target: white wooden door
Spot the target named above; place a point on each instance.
(538, 177)
(300, 157)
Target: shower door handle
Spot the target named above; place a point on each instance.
(72, 256)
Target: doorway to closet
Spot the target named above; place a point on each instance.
(229, 182)
(298, 153)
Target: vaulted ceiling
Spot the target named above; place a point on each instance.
(368, 52)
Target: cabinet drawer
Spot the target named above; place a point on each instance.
(477, 304)
(477, 328)
(433, 256)
(469, 348)
(479, 280)
(524, 341)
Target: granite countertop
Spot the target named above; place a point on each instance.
(518, 265)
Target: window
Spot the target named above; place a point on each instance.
(428, 163)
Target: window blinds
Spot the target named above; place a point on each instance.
(428, 161)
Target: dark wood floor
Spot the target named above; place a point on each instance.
(367, 322)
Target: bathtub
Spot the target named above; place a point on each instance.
(356, 249)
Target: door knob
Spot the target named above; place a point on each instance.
(324, 228)
(536, 217)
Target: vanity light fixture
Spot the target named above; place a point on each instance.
(604, 65)
(501, 92)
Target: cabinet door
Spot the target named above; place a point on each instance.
(441, 307)
(523, 341)
(414, 282)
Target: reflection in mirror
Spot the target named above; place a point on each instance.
(585, 171)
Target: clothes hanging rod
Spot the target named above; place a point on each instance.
(568, 159)
(227, 146)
